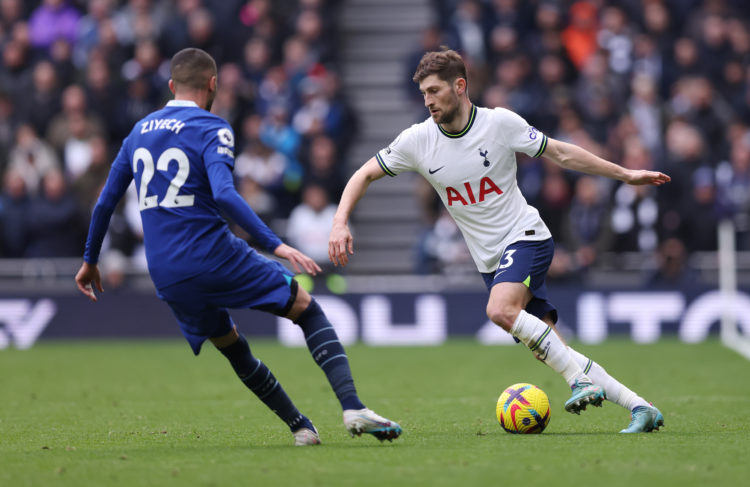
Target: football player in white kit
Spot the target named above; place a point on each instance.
(468, 155)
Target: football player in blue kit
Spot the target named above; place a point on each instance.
(181, 159)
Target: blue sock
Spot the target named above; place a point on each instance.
(259, 379)
(329, 354)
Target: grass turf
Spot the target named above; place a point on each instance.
(147, 413)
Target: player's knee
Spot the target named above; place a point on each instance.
(503, 314)
(301, 303)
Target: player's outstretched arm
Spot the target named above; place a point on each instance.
(576, 158)
(340, 242)
(114, 189)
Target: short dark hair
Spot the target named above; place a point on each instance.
(192, 68)
(446, 63)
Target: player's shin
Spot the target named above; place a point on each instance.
(616, 392)
(547, 346)
(329, 354)
(259, 379)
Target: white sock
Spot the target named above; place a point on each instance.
(544, 342)
(616, 392)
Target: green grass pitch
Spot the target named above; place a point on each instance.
(148, 413)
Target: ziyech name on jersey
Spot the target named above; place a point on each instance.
(162, 124)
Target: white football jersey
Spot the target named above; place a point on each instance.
(474, 172)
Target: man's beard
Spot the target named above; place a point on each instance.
(448, 115)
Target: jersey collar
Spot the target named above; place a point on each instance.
(181, 103)
(455, 135)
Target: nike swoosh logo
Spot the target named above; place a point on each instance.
(498, 273)
(433, 171)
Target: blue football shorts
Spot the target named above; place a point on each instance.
(527, 262)
(249, 280)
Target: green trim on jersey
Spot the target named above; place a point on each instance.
(527, 281)
(472, 117)
(542, 148)
(383, 166)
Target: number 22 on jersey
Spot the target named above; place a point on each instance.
(171, 199)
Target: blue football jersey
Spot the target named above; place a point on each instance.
(167, 154)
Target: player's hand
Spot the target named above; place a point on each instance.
(85, 278)
(641, 177)
(299, 261)
(339, 243)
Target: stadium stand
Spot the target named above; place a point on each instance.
(313, 88)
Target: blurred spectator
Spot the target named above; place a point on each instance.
(587, 231)
(597, 94)
(683, 61)
(175, 34)
(14, 215)
(312, 116)
(274, 91)
(147, 64)
(16, 75)
(512, 74)
(202, 34)
(89, 29)
(51, 20)
(699, 220)
(646, 111)
(6, 129)
(635, 212)
(71, 129)
(441, 247)
(554, 199)
(256, 60)
(323, 168)
(139, 20)
(673, 269)
(733, 180)
(616, 37)
(42, 101)
(102, 95)
(695, 102)
(260, 170)
(713, 46)
(234, 98)
(277, 133)
(309, 26)
(310, 223)
(579, 37)
(54, 222)
(685, 152)
(11, 13)
(298, 62)
(31, 158)
(466, 25)
(86, 185)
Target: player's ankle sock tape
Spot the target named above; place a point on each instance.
(259, 379)
(329, 354)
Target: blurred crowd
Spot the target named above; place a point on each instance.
(76, 75)
(649, 84)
